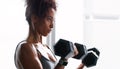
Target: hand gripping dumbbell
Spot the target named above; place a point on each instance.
(65, 49)
(91, 57)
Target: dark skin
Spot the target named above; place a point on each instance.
(27, 55)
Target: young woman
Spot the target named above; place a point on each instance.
(31, 53)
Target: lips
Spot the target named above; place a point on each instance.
(49, 31)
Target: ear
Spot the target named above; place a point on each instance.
(34, 19)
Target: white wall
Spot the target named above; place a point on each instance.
(102, 30)
(69, 20)
(13, 29)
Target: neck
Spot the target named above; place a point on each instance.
(34, 37)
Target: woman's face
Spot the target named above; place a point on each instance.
(45, 25)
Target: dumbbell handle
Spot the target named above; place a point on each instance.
(81, 50)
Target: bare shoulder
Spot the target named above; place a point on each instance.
(27, 49)
(28, 56)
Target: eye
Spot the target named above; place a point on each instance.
(50, 19)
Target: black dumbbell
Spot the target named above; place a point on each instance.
(65, 49)
(91, 57)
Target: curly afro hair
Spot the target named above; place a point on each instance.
(39, 8)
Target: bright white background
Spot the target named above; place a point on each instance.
(13, 29)
(94, 23)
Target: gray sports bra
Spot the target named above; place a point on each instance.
(46, 63)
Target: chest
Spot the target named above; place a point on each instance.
(46, 52)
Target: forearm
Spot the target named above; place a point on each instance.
(58, 66)
(81, 66)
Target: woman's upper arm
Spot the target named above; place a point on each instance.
(29, 57)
